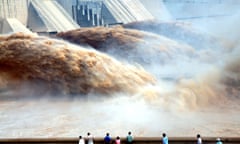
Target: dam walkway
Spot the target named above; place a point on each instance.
(137, 140)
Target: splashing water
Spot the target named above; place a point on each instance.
(165, 84)
(64, 68)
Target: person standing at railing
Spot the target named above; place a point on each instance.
(199, 139)
(117, 141)
(219, 141)
(107, 139)
(89, 138)
(129, 138)
(81, 140)
(164, 139)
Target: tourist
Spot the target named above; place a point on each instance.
(129, 138)
(164, 139)
(107, 139)
(81, 140)
(117, 141)
(89, 138)
(199, 139)
(219, 141)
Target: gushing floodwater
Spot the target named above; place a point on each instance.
(140, 82)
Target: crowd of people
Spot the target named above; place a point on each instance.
(199, 140)
(129, 139)
(107, 139)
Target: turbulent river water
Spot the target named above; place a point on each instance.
(176, 79)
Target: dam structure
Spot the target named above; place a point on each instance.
(106, 12)
(52, 16)
(13, 14)
(43, 17)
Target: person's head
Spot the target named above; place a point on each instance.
(118, 137)
(129, 133)
(164, 134)
(80, 137)
(198, 136)
(107, 134)
(88, 133)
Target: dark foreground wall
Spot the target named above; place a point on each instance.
(137, 140)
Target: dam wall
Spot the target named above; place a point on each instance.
(14, 9)
(137, 140)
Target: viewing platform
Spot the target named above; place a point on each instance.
(137, 140)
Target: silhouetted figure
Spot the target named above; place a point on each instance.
(81, 140)
(117, 141)
(89, 138)
(218, 141)
(164, 138)
(129, 138)
(199, 139)
(107, 139)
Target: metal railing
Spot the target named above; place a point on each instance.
(137, 140)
